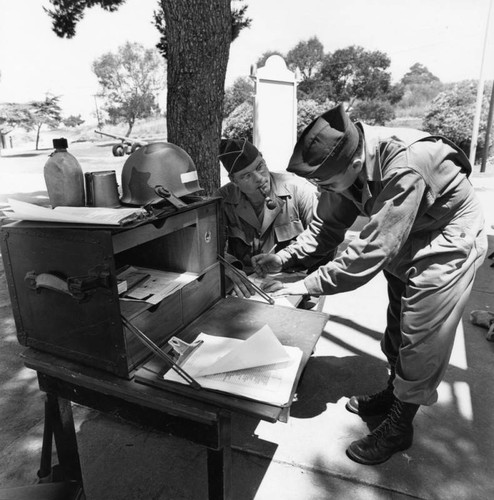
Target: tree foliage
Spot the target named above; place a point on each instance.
(198, 37)
(73, 121)
(266, 55)
(241, 90)
(239, 21)
(130, 81)
(308, 110)
(14, 115)
(315, 89)
(418, 73)
(373, 112)
(240, 122)
(356, 73)
(47, 112)
(66, 14)
(420, 87)
(307, 56)
(451, 114)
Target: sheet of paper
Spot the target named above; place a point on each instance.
(159, 285)
(284, 277)
(272, 383)
(21, 210)
(262, 348)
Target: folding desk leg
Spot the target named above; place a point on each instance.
(220, 462)
(45, 468)
(59, 411)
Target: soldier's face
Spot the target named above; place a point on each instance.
(341, 181)
(254, 177)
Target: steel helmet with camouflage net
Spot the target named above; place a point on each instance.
(155, 169)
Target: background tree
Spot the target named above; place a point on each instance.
(356, 73)
(47, 112)
(307, 56)
(130, 81)
(198, 37)
(266, 55)
(73, 121)
(373, 112)
(420, 87)
(452, 112)
(239, 21)
(13, 115)
(418, 73)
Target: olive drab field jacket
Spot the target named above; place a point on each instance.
(415, 185)
(245, 235)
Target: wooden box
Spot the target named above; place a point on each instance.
(80, 317)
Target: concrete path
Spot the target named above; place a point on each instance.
(452, 456)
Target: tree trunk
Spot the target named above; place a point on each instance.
(199, 37)
(37, 135)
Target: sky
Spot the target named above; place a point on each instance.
(446, 36)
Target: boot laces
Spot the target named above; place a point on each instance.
(391, 420)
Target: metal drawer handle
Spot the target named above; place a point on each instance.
(77, 287)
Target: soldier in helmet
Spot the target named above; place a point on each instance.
(261, 209)
(425, 231)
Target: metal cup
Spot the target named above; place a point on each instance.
(102, 189)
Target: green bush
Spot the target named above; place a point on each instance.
(373, 112)
(451, 114)
(239, 123)
(308, 110)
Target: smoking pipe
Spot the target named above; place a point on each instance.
(269, 202)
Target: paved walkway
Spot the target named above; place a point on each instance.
(452, 456)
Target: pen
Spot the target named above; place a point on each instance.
(147, 341)
(271, 250)
(261, 292)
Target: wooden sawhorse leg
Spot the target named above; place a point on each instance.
(59, 423)
(220, 463)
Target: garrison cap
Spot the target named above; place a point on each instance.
(237, 154)
(326, 146)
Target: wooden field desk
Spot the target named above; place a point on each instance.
(201, 416)
(63, 286)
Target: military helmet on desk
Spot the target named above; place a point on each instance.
(154, 171)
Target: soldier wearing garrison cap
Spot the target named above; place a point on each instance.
(424, 231)
(261, 209)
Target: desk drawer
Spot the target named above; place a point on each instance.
(158, 323)
(201, 294)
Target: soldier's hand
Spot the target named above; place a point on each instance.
(240, 288)
(265, 263)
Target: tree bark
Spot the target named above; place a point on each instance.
(199, 37)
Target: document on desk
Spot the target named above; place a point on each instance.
(259, 368)
(21, 210)
(268, 283)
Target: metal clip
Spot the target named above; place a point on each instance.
(182, 349)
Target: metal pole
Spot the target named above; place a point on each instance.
(488, 131)
(480, 93)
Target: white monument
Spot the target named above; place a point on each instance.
(275, 112)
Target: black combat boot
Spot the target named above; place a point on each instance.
(394, 434)
(375, 404)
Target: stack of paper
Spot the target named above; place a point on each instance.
(259, 368)
(21, 210)
(154, 285)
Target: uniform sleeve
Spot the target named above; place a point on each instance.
(307, 200)
(334, 214)
(391, 220)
